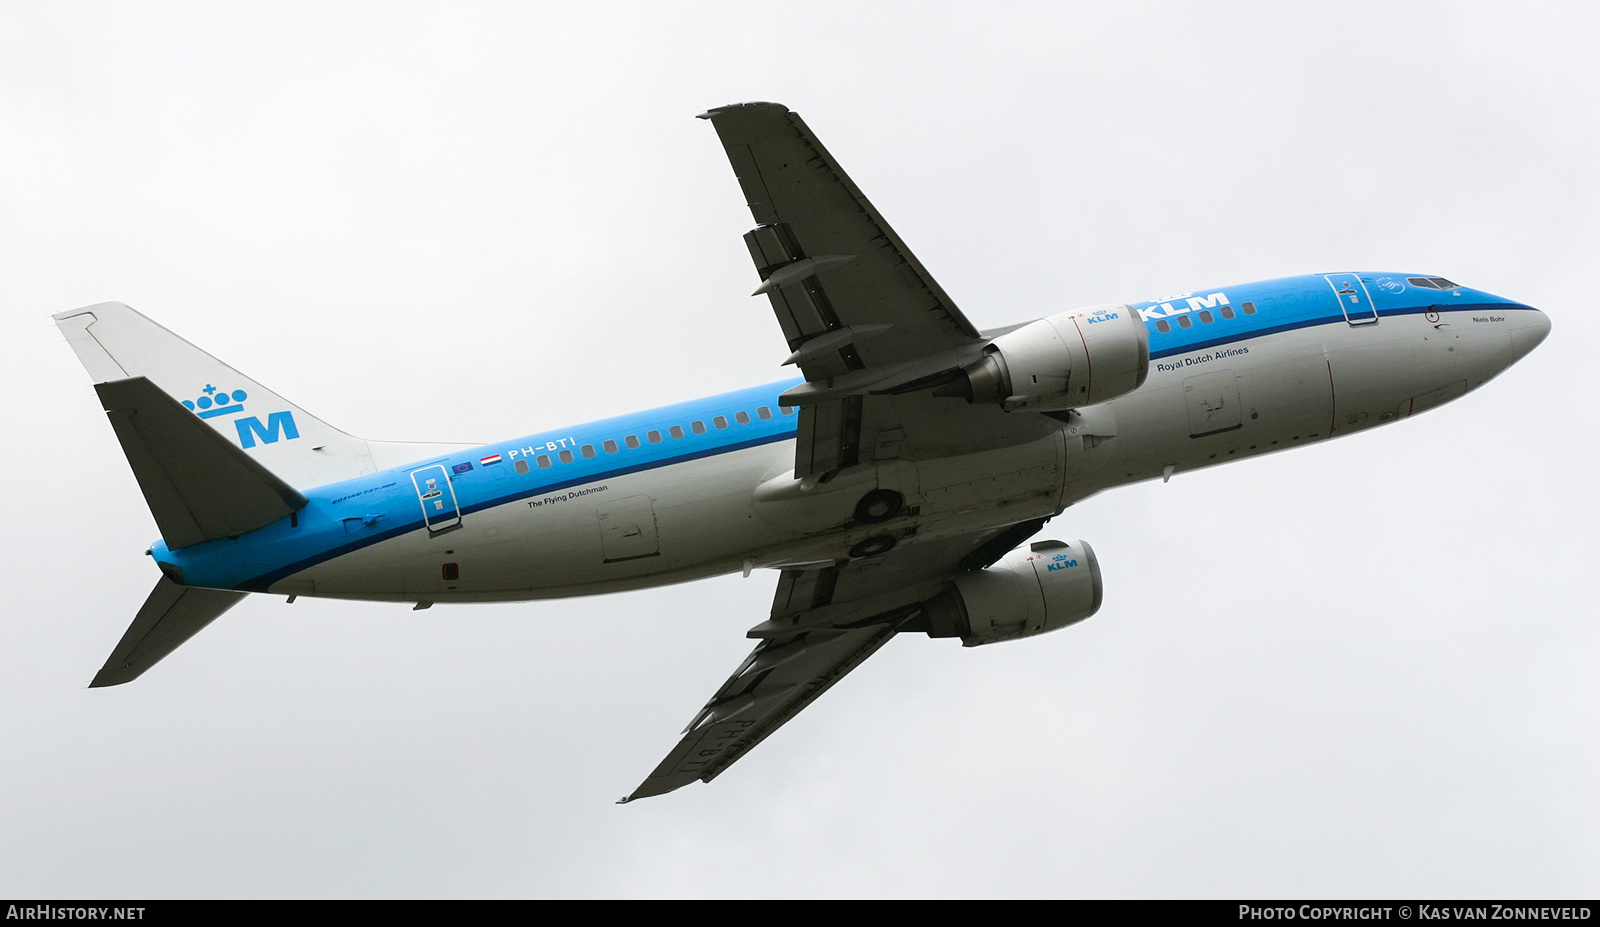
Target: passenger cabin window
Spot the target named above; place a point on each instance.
(764, 412)
(742, 418)
(1185, 322)
(611, 447)
(1162, 326)
(720, 422)
(543, 460)
(676, 430)
(699, 427)
(631, 440)
(1227, 312)
(786, 410)
(1249, 308)
(1205, 317)
(655, 437)
(520, 466)
(588, 451)
(566, 456)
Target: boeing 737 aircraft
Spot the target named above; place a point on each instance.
(897, 485)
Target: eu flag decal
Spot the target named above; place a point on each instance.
(462, 467)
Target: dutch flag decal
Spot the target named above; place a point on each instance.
(491, 459)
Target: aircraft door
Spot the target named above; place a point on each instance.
(439, 509)
(1353, 298)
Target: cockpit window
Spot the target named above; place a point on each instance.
(1431, 283)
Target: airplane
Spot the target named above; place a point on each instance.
(897, 485)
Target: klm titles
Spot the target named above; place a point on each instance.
(1166, 309)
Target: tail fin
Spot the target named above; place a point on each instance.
(116, 343)
(171, 615)
(225, 457)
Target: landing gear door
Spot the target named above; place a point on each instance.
(1353, 299)
(438, 498)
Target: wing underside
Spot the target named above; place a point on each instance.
(779, 679)
(860, 313)
(847, 291)
(825, 622)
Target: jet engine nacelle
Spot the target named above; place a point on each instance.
(1064, 361)
(1042, 587)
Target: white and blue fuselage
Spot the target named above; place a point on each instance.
(704, 487)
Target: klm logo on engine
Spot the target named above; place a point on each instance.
(1060, 562)
(213, 402)
(1171, 307)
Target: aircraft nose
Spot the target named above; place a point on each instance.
(1528, 330)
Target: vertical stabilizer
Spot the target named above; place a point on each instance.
(116, 343)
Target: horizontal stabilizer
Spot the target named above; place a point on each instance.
(171, 615)
(198, 484)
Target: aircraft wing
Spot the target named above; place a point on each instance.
(831, 265)
(861, 315)
(825, 621)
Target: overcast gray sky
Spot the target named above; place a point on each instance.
(1360, 668)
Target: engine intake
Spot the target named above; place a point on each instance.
(1064, 361)
(1042, 587)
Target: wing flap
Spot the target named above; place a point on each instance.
(199, 486)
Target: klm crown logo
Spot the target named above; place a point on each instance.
(213, 402)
